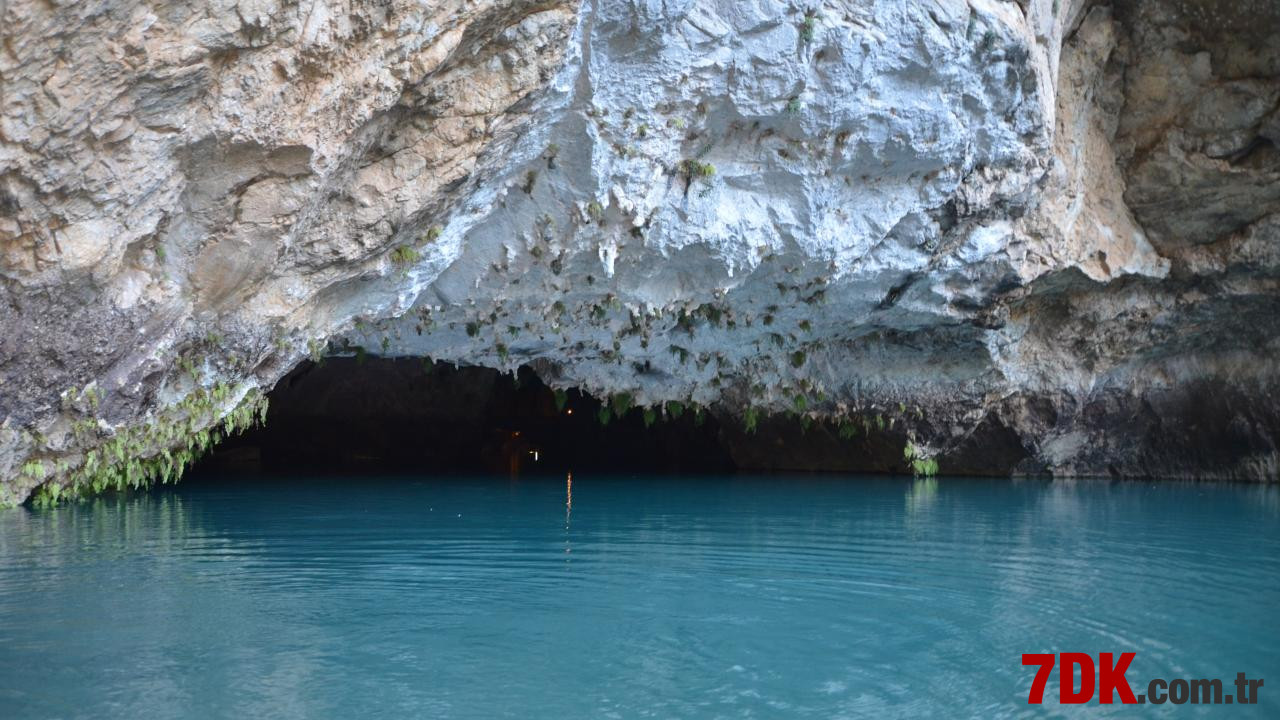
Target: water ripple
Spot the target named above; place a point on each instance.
(643, 597)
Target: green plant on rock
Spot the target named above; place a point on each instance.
(621, 403)
(847, 430)
(750, 420)
(675, 409)
(650, 417)
(920, 465)
(47, 495)
(160, 449)
(433, 234)
(405, 255)
(188, 367)
(692, 169)
(808, 27)
(562, 398)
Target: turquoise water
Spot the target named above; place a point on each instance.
(644, 597)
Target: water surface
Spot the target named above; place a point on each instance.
(628, 597)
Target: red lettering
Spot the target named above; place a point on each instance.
(1067, 693)
(1111, 677)
(1045, 661)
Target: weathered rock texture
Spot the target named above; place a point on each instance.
(1048, 229)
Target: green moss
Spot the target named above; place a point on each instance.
(808, 27)
(621, 403)
(920, 465)
(696, 170)
(750, 419)
(160, 449)
(847, 430)
(405, 255)
(712, 313)
(562, 398)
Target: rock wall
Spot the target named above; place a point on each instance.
(1045, 226)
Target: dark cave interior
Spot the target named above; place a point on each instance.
(371, 415)
(375, 415)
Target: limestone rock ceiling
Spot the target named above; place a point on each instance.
(1052, 220)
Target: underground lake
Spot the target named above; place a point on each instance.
(627, 596)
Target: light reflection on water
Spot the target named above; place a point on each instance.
(643, 597)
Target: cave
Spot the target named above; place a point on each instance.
(364, 414)
(372, 415)
(556, 359)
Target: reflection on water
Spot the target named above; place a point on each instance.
(719, 597)
(920, 495)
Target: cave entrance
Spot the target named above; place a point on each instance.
(380, 415)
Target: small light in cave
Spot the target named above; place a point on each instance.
(569, 411)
